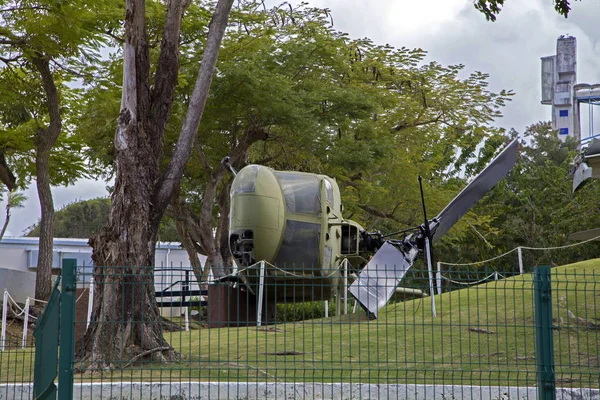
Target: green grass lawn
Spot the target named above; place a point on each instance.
(483, 335)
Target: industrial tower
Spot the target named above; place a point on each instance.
(561, 90)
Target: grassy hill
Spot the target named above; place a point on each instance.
(483, 335)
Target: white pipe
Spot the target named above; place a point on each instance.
(326, 309)
(4, 311)
(520, 254)
(25, 324)
(261, 284)
(187, 320)
(90, 302)
(430, 270)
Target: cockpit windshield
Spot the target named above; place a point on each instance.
(245, 181)
(301, 191)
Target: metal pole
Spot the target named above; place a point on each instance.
(326, 308)
(4, 311)
(67, 330)
(261, 289)
(520, 260)
(430, 269)
(345, 286)
(25, 324)
(439, 277)
(544, 340)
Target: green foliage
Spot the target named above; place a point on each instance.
(533, 206)
(491, 8)
(83, 219)
(69, 36)
(294, 312)
(304, 96)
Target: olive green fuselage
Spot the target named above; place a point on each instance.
(293, 221)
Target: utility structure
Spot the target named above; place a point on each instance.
(561, 90)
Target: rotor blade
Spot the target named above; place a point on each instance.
(474, 191)
(585, 235)
(379, 278)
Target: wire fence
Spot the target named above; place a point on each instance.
(275, 335)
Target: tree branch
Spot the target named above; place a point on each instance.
(115, 37)
(6, 175)
(174, 171)
(373, 211)
(405, 125)
(7, 61)
(47, 137)
(203, 159)
(167, 70)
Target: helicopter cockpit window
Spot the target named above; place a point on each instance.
(329, 191)
(300, 246)
(301, 192)
(349, 239)
(245, 181)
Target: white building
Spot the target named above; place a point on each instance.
(18, 263)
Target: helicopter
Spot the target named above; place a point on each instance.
(293, 222)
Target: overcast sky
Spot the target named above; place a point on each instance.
(452, 32)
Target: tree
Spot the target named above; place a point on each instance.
(491, 8)
(41, 53)
(309, 98)
(143, 189)
(293, 93)
(15, 200)
(533, 206)
(83, 219)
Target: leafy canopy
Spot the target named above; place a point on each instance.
(491, 8)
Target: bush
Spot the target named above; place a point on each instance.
(292, 312)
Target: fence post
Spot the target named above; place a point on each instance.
(430, 270)
(4, 311)
(25, 324)
(439, 277)
(67, 328)
(261, 294)
(520, 260)
(544, 341)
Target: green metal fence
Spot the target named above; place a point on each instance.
(497, 339)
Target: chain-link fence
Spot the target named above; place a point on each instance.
(159, 334)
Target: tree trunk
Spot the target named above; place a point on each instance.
(45, 141)
(43, 277)
(125, 314)
(222, 234)
(126, 324)
(188, 244)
